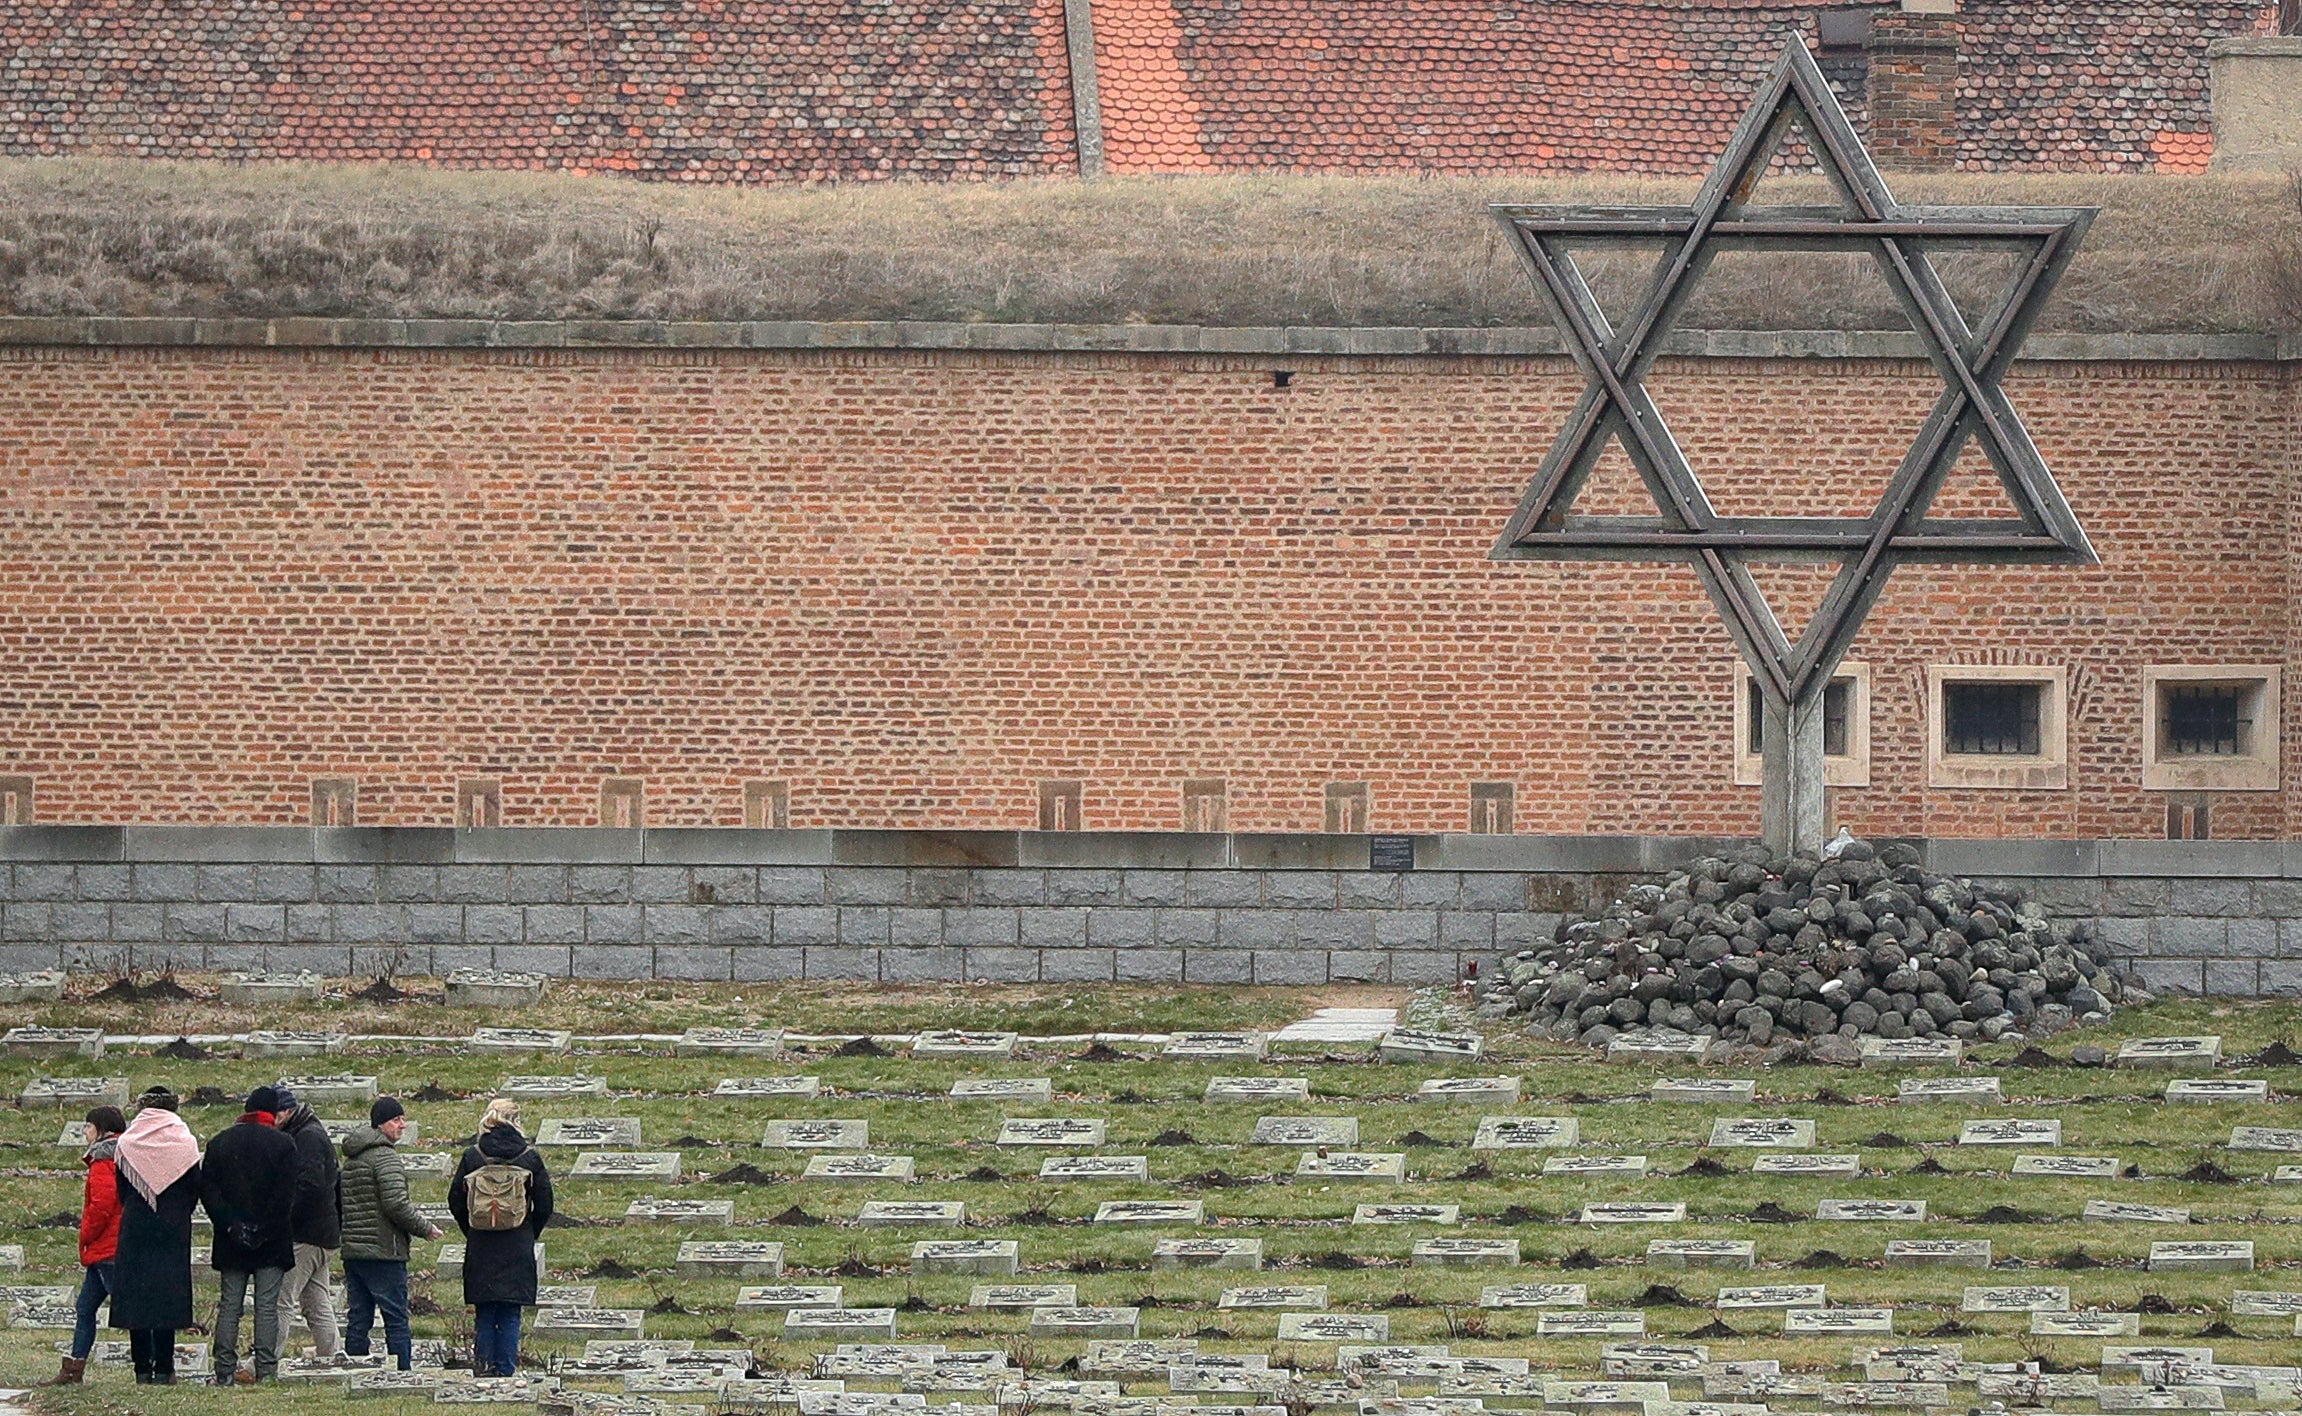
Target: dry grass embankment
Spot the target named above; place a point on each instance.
(119, 237)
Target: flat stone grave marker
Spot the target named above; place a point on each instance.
(1658, 1046)
(286, 1042)
(2203, 1256)
(338, 1130)
(1654, 1359)
(618, 1131)
(1869, 1211)
(649, 1209)
(1151, 1212)
(1591, 1322)
(1215, 1047)
(732, 1042)
(672, 1383)
(2037, 1388)
(12, 1256)
(1003, 1089)
(2010, 1133)
(626, 1165)
(780, 1087)
(2264, 1138)
(1258, 1088)
(1051, 1131)
(2066, 1167)
(1604, 1396)
(1229, 1381)
(1631, 1165)
(436, 1214)
(1310, 1297)
(1701, 1253)
(387, 1384)
(1629, 1212)
(1305, 1131)
(2169, 1052)
(1938, 1253)
(494, 988)
(74, 1136)
(1743, 1131)
(2066, 1324)
(79, 1093)
(991, 1257)
(788, 1297)
(1023, 1295)
(2286, 1175)
(729, 1259)
(590, 1322)
(431, 1164)
(36, 1294)
(2135, 1361)
(1334, 1327)
(1806, 1163)
(1144, 1357)
(2148, 1398)
(1464, 1253)
(1973, 1091)
(2115, 1212)
(39, 986)
(335, 1089)
(1535, 1295)
(1352, 1165)
(519, 1040)
(1503, 1090)
(568, 1295)
(2217, 1089)
(808, 1134)
(1191, 1252)
(1837, 1322)
(799, 1324)
(493, 1391)
(54, 1042)
(1526, 1132)
(1869, 1394)
(860, 1168)
(1407, 1214)
(1789, 1387)
(1420, 1045)
(1085, 1322)
(1772, 1295)
(1911, 1051)
(2015, 1298)
(1095, 1167)
(258, 990)
(907, 1212)
(958, 1042)
(1703, 1091)
(551, 1088)
(2262, 1303)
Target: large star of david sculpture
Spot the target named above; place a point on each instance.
(1615, 407)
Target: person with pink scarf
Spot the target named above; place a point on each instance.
(159, 1177)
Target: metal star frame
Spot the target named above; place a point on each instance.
(1615, 404)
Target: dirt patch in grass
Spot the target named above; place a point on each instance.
(860, 1047)
(1821, 1259)
(212, 1096)
(423, 1305)
(1091, 1266)
(796, 1218)
(745, 1174)
(1417, 1140)
(1174, 1138)
(1403, 1299)
(1478, 1170)
(1663, 1295)
(1714, 1328)
(2077, 1260)
(2155, 1305)
(854, 1267)
(1212, 1334)
(1885, 1140)
(1828, 1096)
(984, 1174)
(1928, 1166)
(1101, 1052)
(665, 1306)
(1949, 1328)
(1518, 1214)
(1768, 1212)
(2277, 1054)
(610, 1268)
(1705, 1166)
(2206, 1172)
(693, 1143)
(183, 1049)
(1213, 1180)
(1581, 1259)
(433, 1091)
(1338, 1260)
(2004, 1214)
(383, 990)
(2034, 1056)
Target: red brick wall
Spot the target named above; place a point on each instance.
(917, 584)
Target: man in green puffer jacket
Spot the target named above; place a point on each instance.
(379, 1219)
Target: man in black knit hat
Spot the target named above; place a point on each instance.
(248, 1186)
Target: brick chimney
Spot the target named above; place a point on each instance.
(1912, 91)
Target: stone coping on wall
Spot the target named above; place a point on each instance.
(1086, 850)
(312, 333)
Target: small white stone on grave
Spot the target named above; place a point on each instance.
(1503, 1090)
(911, 1212)
(2010, 1133)
(1388, 1167)
(1464, 1253)
(2203, 1256)
(2065, 1167)
(1631, 1212)
(1308, 1297)
(621, 1132)
(787, 1297)
(1701, 1253)
(626, 1165)
(1808, 1163)
(1631, 1165)
(958, 1042)
(1535, 1295)
(780, 1087)
(810, 1134)
(733, 1042)
(860, 1168)
(1258, 1088)
(1095, 1167)
(518, 1040)
(1526, 1132)
(1151, 1212)
(1869, 1211)
(2217, 1089)
(729, 1259)
(1051, 1131)
(1790, 1133)
(2015, 1298)
(1003, 1089)
(1192, 1252)
(1407, 1214)
(1334, 1327)
(1702, 1090)
(2204, 1052)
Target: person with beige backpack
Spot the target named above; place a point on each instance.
(501, 1198)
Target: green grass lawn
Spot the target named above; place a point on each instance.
(1199, 1150)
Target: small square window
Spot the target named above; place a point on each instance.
(767, 805)
(1206, 807)
(2210, 728)
(1348, 807)
(1997, 725)
(1491, 808)
(1061, 805)
(334, 800)
(15, 801)
(622, 803)
(1845, 727)
(479, 803)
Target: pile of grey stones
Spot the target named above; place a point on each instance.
(1796, 956)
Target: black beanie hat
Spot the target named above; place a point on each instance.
(265, 1099)
(383, 1109)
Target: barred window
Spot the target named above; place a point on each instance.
(1992, 719)
(2205, 720)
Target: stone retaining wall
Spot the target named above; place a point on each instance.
(905, 906)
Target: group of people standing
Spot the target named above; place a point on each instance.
(283, 1208)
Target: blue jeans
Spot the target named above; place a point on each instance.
(95, 1287)
(372, 1286)
(495, 1339)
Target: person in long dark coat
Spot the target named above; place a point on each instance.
(159, 1180)
(500, 1265)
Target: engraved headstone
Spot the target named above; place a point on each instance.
(1084, 1322)
(1215, 1047)
(1806, 1163)
(787, 1297)
(958, 1042)
(518, 1040)
(510, 993)
(2065, 1324)
(1837, 1322)
(2016, 1132)
(2152, 1398)
(552, 1088)
(801, 1324)
(1465, 1253)
(43, 1315)
(1095, 1167)
(1023, 1295)
(649, 1209)
(283, 1042)
(1910, 1051)
(2286, 1175)
(1407, 1214)
(1702, 1090)
(54, 1042)
(2037, 1388)
(76, 1093)
(1658, 1046)
(2114, 1212)
(1771, 1295)
(1631, 1165)
(493, 1391)
(1305, 1131)
(12, 1256)
(1151, 1212)
(390, 1383)
(1870, 1211)
(1352, 1165)
(1788, 1132)
(1306, 1297)
(1591, 1322)
(911, 1212)
(1967, 1090)
(1258, 1088)
(1632, 1212)
(732, 1042)
(1938, 1253)
(1872, 1394)
(1525, 1132)
(39, 986)
(1494, 1090)
(1535, 1295)
(2263, 1303)
(2065, 1167)
(2203, 1256)
(779, 1087)
(991, 1257)
(2201, 1052)
(2015, 1298)
(337, 1089)
(616, 1131)
(811, 1134)
(2217, 1089)
(860, 1168)
(1003, 1089)
(568, 1295)
(1193, 1252)
(589, 1322)
(1419, 1045)
(626, 1165)
(1334, 1327)
(1701, 1253)
(2264, 1138)
(2124, 1361)
(270, 990)
(729, 1259)
(431, 1165)
(1050, 1131)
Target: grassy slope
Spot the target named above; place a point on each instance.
(88, 236)
(2105, 1113)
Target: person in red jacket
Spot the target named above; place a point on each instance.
(99, 1237)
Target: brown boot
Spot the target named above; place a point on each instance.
(69, 1374)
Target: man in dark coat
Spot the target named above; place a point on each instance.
(248, 1184)
(317, 1227)
(158, 1165)
(500, 1265)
